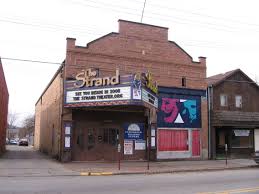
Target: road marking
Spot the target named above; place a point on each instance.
(244, 190)
(84, 173)
(107, 173)
(96, 173)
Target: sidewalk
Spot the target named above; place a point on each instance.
(26, 162)
(140, 167)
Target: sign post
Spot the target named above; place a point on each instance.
(148, 140)
(119, 161)
(148, 154)
(226, 152)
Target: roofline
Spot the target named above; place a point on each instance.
(170, 41)
(4, 77)
(91, 42)
(120, 20)
(52, 79)
(232, 73)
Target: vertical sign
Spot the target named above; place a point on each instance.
(67, 140)
(128, 147)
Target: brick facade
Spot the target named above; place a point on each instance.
(136, 48)
(48, 112)
(4, 97)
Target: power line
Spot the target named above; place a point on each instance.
(29, 60)
(37, 25)
(112, 6)
(201, 14)
(98, 34)
(189, 78)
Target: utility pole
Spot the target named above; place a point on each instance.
(143, 11)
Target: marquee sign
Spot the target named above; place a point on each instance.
(99, 95)
(89, 78)
(88, 89)
(149, 98)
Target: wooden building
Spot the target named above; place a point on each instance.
(234, 114)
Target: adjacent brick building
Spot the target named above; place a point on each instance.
(4, 97)
(234, 114)
(105, 97)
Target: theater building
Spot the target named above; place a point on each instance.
(4, 97)
(234, 114)
(131, 95)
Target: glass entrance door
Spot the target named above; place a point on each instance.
(95, 143)
(108, 139)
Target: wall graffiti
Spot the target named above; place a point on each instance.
(177, 112)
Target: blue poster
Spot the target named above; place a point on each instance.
(134, 131)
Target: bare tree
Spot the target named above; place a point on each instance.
(28, 124)
(12, 119)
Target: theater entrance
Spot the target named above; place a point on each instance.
(95, 143)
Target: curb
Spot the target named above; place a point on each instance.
(130, 173)
(164, 172)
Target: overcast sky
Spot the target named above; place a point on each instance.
(224, 31)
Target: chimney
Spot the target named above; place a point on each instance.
(71, 43)
(202, 61)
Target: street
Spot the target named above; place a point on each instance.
(22, 170)
(202, 182)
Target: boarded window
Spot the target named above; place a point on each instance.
(196, 142)
(173, 140)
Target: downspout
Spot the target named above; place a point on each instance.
(61, 110)
(209, 121)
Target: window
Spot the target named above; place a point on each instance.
(173, 140)
(223, 100)
(242, 138)
(110, 136)
(80, 138)
(238, 101)
(91, 139)
(183, 81)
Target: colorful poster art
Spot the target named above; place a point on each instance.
(136, 89)
(179, 112)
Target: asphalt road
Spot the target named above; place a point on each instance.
(21, 152)
(24, 160)
(235, 181)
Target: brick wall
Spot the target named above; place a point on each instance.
(4, 97)
(138, 48)
(48, 117)
(134, 52)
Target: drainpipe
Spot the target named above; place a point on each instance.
(61, 111)
(209, 91)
